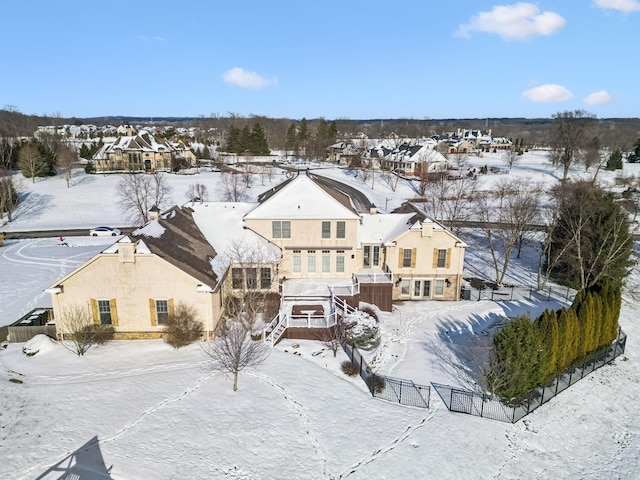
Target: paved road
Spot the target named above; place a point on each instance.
(77, 232)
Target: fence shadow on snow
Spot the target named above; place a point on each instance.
(474, 403)
(396, 390)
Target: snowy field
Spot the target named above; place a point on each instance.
(140, 410)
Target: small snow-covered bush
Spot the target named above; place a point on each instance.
(361, 330)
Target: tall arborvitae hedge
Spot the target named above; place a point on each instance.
(527, 354)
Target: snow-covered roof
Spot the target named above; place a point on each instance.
(302, 198)
(382, 228)
(222, 226)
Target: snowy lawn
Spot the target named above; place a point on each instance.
(139, 409)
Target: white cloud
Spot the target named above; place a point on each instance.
(598, 98)
(240, 77)
(151, 39)
(513, 22)
(548, 93)
(626, 6)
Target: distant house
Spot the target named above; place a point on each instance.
(414, 158)
(141, 152)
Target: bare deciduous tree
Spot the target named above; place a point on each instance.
(250, 290)
(137, 193)
(510, 157)
(449, 201)
(233, 187)
(233, 350)
(81, 332)
(8, 196)
(197, 192)
(568, 137)
(66, 159)
(391, 179)
(504, 224)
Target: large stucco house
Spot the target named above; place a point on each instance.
(304, 242)
(142, 152)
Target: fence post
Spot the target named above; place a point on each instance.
(512, 287)
(450, 398)
(549, 295)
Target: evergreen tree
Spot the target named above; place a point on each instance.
(634, 156)
(233, 140)
(595, 231)
(259, 145)
(516, 349)
(614, 162)
(547, 325)
(84, 151)
(586, 325)
(291, 140)
(333, 132)
(565, 342)
(205, 153)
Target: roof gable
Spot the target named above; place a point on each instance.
(301, 198)
(181, 243)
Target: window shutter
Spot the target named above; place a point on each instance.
(400, 255)
(94, 311)
(114, 312)
(152, 312)
(448, 261)
(414, 255)
(170, 307)
(435, 258)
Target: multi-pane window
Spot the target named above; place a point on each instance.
(340, 229)
(251, 277)
(366, 256)
(407, 257)
(340, 262)
(426, 288)
(326, 263)
(296, 260)
(405, 287)
(376, 256)
(326, 229)
(442, 258)
(104, 310)
(311, 261)
(236, 278)
(162, 311)
(281, 229)
(265, 278)
(416, 288)
(439, 289)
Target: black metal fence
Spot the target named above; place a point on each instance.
(396, 390)
(517, 292)
(474, 403)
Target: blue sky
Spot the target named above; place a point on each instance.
(333, 59)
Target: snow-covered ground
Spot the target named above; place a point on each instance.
(139, 409)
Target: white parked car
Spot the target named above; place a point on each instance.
(104, 231)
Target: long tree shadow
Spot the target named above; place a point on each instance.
(86, 463)
(35, 208)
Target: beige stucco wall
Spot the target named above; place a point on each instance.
(132, 285)
(424, 270)
(306, 235)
